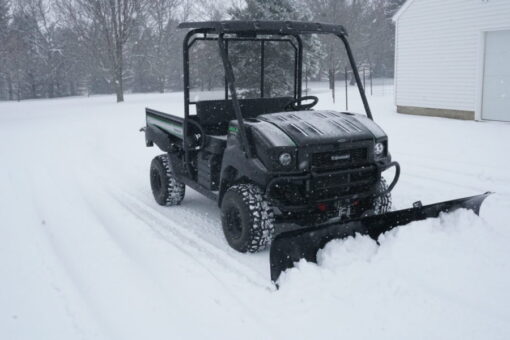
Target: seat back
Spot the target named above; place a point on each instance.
(214, 115)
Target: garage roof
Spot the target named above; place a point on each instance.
(402, 9)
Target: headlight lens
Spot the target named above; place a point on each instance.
(285, 159)
(378, 149)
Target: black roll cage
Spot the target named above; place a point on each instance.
(250, 31)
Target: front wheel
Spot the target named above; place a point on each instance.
(380, 204)
(247, 218)
(373, 205)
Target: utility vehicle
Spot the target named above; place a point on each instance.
(273, 164)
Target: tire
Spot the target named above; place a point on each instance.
(247, 218)
(380, 204)
(167, 190)
(373, 205)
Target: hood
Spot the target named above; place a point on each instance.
(322, 127)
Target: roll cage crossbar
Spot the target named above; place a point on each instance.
(252, 30)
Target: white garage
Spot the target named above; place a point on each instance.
(453, 59)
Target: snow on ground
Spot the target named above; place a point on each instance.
(86, 253)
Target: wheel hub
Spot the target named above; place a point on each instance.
(155, 180)
(233, 219)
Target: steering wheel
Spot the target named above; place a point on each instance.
(298, 105)
(195, 139)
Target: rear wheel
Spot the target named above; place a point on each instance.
(247, 218)
(167, 190)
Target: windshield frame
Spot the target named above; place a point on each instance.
(230, 79)
(295, 44)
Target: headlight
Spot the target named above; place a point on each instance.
(378, 149)
(285, 159)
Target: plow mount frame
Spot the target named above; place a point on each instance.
(290, 247)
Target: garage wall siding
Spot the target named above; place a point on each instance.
(437, 51)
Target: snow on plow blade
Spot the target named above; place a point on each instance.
(289, 247)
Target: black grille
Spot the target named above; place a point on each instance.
(351, 182)
(338, 159)
(327, 185)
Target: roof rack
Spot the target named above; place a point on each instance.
(266, 27)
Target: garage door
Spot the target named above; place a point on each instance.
(496, 83)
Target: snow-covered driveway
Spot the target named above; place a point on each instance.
(86, 253)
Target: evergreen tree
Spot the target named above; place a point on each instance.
(278, 71)
(266, 10)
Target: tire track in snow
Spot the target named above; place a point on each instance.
(142, 216)
(198, 251)
(168, 229)
(32, 228)
(143, 291)
(125, 197)
(214, 259)
(40, 183)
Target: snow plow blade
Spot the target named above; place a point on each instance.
(290, 247)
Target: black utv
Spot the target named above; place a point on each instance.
(268, 160)
(260, 150)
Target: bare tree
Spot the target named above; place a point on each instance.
(162, 20)
(4, 31)
(43, 36)
(356, 17)
(51, 48)
(112, 21)
(330, 11)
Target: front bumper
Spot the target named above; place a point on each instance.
(296, 192)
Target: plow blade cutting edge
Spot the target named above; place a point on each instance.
(290, 247)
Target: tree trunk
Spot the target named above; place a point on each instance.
(119, 83)
(51, 89)
(353, 80)
(18, 86)
(9, 87)
(161, 84)
(33, 86)
(331, 75)
(331, 78)
(119, 90)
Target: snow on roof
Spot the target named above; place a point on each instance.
(402, 9)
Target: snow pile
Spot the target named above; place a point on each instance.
(86, 252)
(437, 279)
